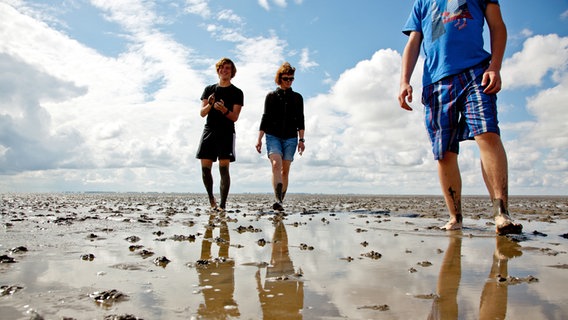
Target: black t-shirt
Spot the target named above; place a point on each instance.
(230, 95)
(283, 114)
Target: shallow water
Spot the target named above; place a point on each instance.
(310, 266)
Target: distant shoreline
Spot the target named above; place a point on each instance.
(270, 193)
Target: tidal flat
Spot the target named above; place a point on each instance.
(169, 256)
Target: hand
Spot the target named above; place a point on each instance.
(220, 105)
(405, 96)
(301, 147)
(258, 146)
(211, 99)
(491, 81)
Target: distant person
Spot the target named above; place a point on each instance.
(283, 124)
(460, 85)
(221, 103)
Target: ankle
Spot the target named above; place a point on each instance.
(499, 208)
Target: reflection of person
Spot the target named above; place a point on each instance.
(494, 296)
(221, 103)
(445, 305)
(283, 124)
(283, 294)
(493, 303)
(217, 275)
(460, 82)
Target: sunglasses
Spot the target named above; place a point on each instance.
(287, 78)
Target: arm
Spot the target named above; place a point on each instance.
(207, 105)
(233, 115)
(263, 123)
(301, 145)
(498, 36)
(259, 141)
(409, 59)
(301, 125)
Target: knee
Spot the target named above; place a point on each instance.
(488, 138)
(276, 166)
(224, 170)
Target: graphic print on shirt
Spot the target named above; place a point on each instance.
(456, 12)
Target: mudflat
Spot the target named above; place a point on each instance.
(168, 256)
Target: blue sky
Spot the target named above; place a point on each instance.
(104, 95)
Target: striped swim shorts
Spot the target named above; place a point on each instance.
(457, 109)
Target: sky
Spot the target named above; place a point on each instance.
(104, 95)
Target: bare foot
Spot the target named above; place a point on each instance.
(452, 225)
(505, 225)
(213, 204)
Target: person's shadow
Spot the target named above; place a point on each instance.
(282, 296)
(493, 304)
(217, 274)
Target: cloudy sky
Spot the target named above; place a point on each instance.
(104, 95)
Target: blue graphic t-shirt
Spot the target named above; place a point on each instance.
(452, 33)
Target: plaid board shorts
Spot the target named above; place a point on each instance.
(457, 109)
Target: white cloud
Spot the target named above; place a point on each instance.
(543, 58)
(538, 157)
(85, 121)
(230, 16)
(264, 4)
(305, 62)
(281, 3)
(527, 33)
(539, 56)
(549, 108)
(28, 141)
(199, 7)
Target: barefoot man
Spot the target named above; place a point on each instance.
(460, 85)
(221, 103)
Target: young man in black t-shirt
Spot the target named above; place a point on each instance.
(221, 103)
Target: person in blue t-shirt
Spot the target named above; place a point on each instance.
(460, 85)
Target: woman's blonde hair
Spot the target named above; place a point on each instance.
(224, 61)
(285, 68)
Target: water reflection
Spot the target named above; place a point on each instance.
(445, 305)
(282, 296)
(217, 274)
(494, 296)
(493, 304)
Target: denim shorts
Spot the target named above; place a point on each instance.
(457, 109)
(284, 147)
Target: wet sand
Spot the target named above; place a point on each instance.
(166, 256)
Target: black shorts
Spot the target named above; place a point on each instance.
(216, 145)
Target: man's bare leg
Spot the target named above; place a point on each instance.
(208, 181)
(225, 182)
(495, 174)
(450, 181)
